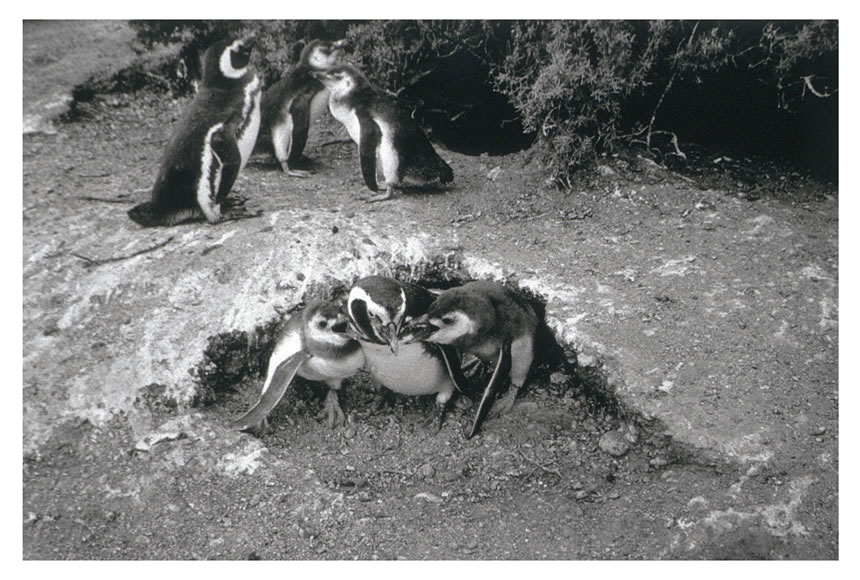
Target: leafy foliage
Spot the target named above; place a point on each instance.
(585, 88)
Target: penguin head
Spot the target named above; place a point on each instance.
(456, 317)
(227, 61)
(324, 323)
(377, 309)
(341, 80)
(322, 54)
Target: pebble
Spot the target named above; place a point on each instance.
(614, 443)
(428, 497)
(819, 431)
(427, 471)
(349, 432)
(659, 461)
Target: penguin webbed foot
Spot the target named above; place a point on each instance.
(260, 429)
(504, 404)
(239, 213)
(294, 172)
(389, 194)
(331, 411)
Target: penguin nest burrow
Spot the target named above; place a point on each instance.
(235, 362)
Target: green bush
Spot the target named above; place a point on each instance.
(585, 88)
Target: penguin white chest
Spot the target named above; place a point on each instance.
(412, 371)
(320, 368)
(388, 160)
(346, 115)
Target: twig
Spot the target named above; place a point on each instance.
(105, 199)
(543, 467)
(98, 262)
(336, 142)
(94, 175)
(807, 81)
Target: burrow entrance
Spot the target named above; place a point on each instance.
(566, 415)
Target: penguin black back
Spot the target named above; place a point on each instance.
(210, 143)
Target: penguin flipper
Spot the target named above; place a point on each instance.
(452, 363)
(503, 369)
(368, 144)
(272, 395)
(227, 153)
(301, 126)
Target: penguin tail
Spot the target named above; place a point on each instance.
(151, 216)
(446, 174)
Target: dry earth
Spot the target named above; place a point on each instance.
(697, 417)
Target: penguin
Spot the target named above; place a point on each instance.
(293, 103)
(211, 142)
(315, 345)
(388, 138)
(379, 308)
(491, 322)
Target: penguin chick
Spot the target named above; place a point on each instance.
(211, 142)
(294, 102)
(388, 137)
(314, 345)
(489, 321)
(379, 308)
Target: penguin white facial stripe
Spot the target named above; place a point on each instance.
(372, 307)
(226, 62)
(210, 177)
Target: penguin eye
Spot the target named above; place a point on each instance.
(448, 320)
(322, 323)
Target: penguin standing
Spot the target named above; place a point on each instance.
(294, 102)
(388, 138)
(489, 321)
(314, 344)
(211, 142)
(379, 308)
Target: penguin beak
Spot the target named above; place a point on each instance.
(418, 330)
(389, 335)
(343, 45)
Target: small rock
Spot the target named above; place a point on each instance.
(581, 495)
(349, 432)
(494, 173)
(428, 497)
(334, 229)
(558, 379)
(658, 462)
(819, 431)
(614, 443)
(360, 482)
(427, 471)
(614, 494)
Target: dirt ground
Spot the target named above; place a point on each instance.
(569, 474)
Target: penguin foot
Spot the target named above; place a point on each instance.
(503, 404)
(292, 172)
(260, 429)
(332, 412)
(240, 213)
(389, 193)
(436, 420)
